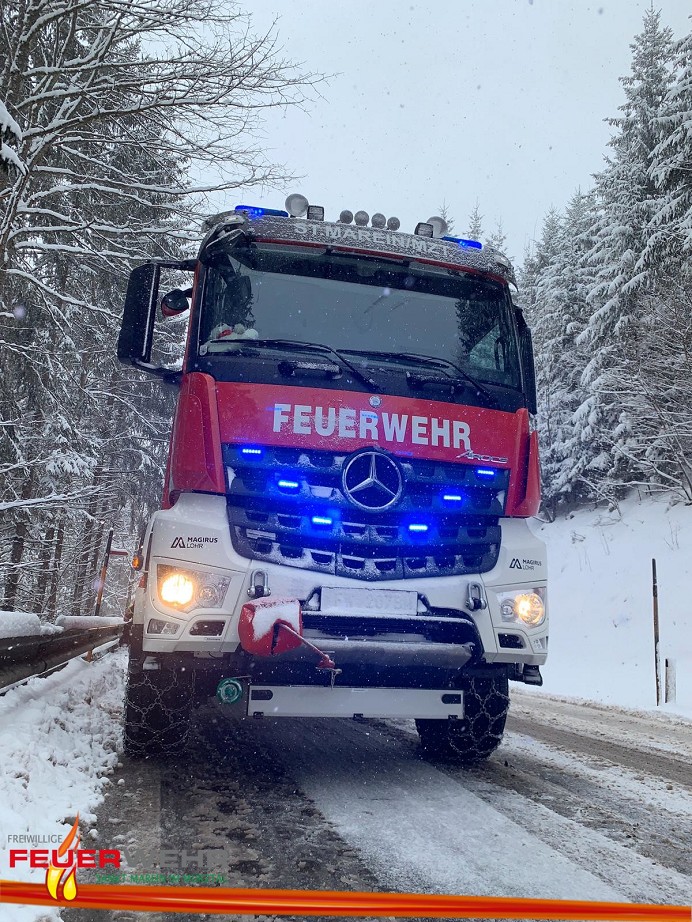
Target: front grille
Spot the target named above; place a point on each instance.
(286, 506)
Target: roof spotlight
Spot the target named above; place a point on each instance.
(378, 220)
(362, 218)
(439, 226)
(346, 216)
(393, 224)
(315, 213)
(296, 205)
(423, 229)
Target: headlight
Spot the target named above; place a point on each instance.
(190, 589)
(177, 589)
(528, 607)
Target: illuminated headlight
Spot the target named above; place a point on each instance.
(528, 607)
(177, 589)
(189, 589)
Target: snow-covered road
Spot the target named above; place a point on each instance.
(580, 801)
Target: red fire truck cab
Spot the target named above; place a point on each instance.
(343, 528)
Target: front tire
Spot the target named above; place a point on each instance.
(473, 739)
(158, 708)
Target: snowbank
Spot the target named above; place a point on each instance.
(70, 622)
(59, 738)
(24, 624)
(600, 595)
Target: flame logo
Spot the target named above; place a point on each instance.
(63, 885)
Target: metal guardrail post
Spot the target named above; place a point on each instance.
(104, 571)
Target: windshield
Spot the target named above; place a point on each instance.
(359, 304)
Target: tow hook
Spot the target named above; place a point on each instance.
(475, 597)
(259, 585)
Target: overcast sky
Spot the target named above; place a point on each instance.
(497, 101)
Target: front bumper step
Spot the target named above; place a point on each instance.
(325, 701)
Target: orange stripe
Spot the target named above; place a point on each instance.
(219, 901)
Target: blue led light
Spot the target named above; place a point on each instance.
(253, 211)
(418, 527)
(321, 520)
(288, 484)
(452, 498)
(251, 451)
(485, 472)
(469, 244)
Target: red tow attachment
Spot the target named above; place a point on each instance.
(270, 627)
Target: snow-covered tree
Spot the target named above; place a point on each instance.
(671, 167)
(445, 214)
(653, 386)
(120, 104)
(555, 286)
(10, 139)
(628, 201)
(475, 231)
(498, 238)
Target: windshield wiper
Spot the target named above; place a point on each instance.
(299, 345)
(430, 360)
(447, 363)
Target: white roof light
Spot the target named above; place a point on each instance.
(378, 220)
(393, 224)
(439, 226)
(296, 205)
(346, 216)
(362, 218)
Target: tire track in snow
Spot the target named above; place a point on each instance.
(346, 805)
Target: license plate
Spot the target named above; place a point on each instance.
(338, 601)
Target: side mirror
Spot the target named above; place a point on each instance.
(175, 302)
(137, 330)
(528, 370)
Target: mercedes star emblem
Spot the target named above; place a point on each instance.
(372, 480)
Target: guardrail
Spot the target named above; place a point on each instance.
(24, 657)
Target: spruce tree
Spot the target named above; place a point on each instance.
(628, 199)
(475, 231)
(671, 166)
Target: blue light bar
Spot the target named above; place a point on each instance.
(418, 527)
(321, 520)
(288, 485)
(485, 472)
(463, 242)
(452, 498)
(252, 211)
(251, 451)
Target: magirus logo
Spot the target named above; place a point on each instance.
(61, 863)
(524, 564)
(194, 542)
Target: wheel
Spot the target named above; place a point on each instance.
(158, 706)
(486, 703)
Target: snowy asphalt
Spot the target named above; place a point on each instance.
(579, 802)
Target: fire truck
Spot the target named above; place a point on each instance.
(343, 531)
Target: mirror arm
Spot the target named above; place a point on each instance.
(168, 375)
